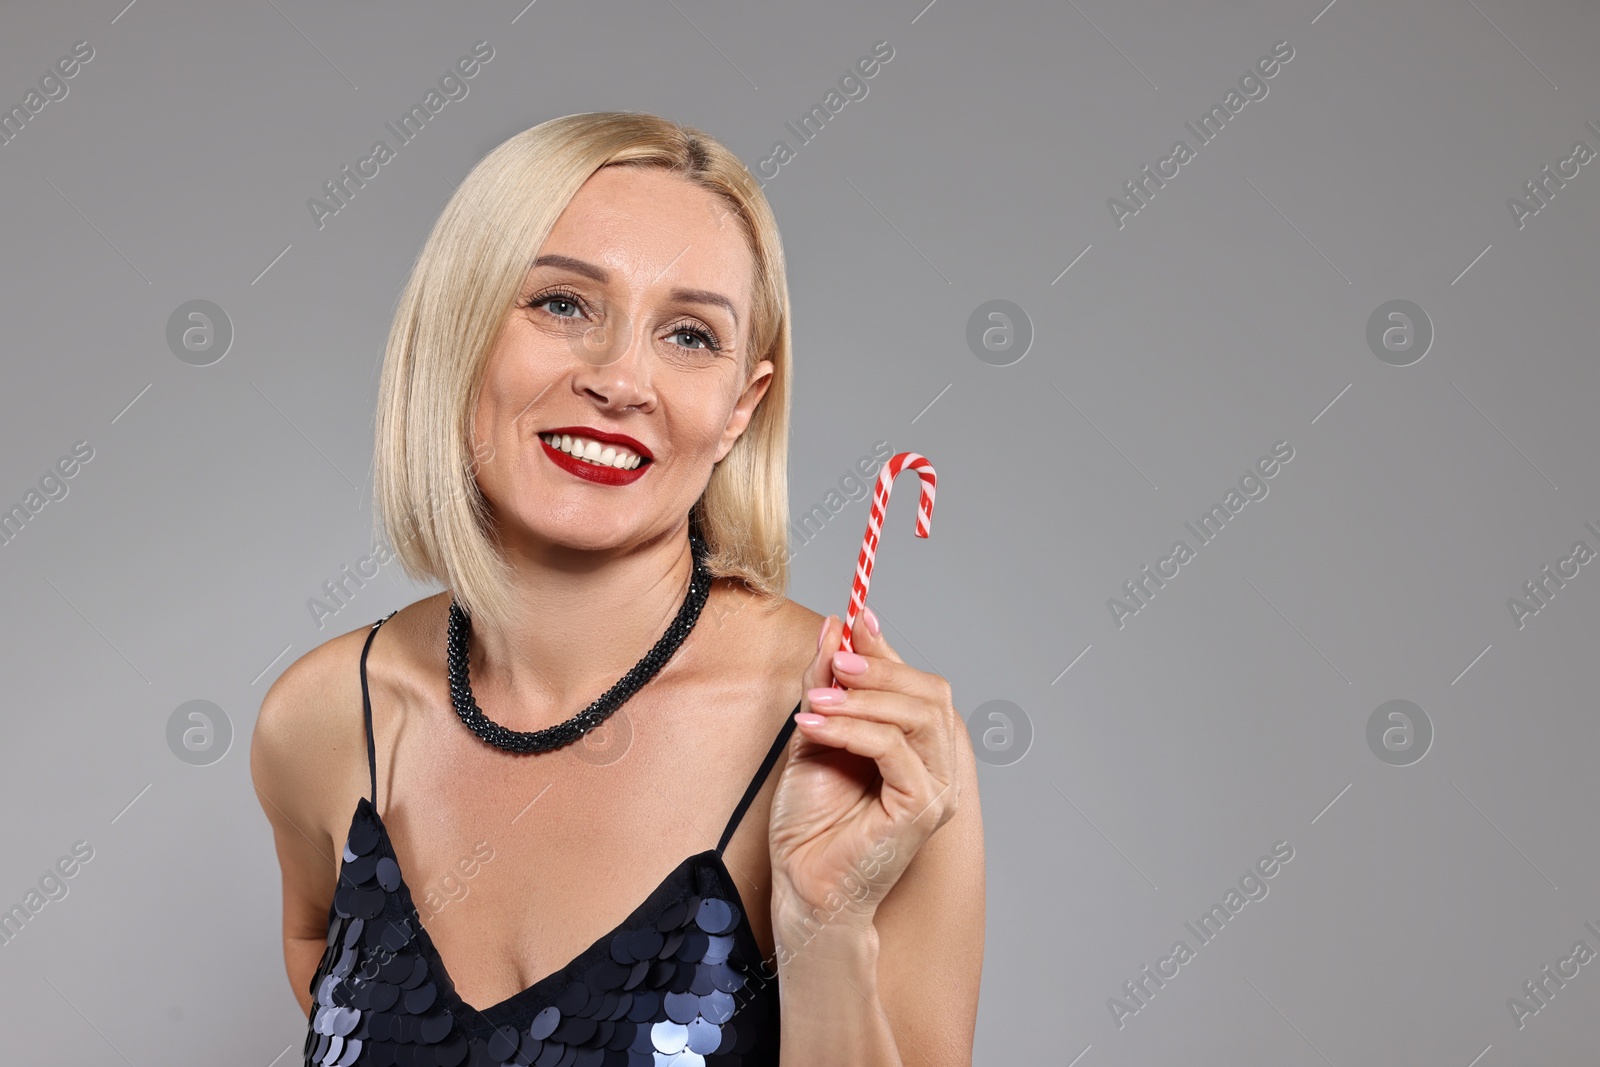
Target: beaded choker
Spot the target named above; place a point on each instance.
(564, 733)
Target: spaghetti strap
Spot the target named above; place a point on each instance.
(366, 708)
(761, 776)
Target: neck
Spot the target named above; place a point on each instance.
(581, 620)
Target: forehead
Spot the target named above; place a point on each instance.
(650, 226)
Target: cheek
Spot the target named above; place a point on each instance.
(513, 390)
(701, 429)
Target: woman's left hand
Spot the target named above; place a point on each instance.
(864, 788)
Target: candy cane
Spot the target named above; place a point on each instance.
(869, 544)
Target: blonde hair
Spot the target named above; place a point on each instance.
(449, 316)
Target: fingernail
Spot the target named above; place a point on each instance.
(872, 621)
(823, 632)
(849, 662)
(825, 697)
(806, 718)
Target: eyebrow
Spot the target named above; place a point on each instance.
(589, 270)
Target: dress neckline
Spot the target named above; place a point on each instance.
(681, 883)
(542, 989)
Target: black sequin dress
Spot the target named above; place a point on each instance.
(681, 982)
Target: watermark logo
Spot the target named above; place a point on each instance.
(1399, 333)
(1399, 733)
(606, 743)
(199, 333)
(1001, 732)
(999, 332)
(199, 733)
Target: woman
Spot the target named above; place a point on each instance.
(587, 449)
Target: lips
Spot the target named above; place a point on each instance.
(598, 473)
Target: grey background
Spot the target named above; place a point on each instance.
(1229, 314)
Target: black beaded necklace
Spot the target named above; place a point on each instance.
(564, 733)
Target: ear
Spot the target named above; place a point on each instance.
(754, 390)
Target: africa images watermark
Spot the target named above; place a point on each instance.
(339, 591)
(52, 87)
(1542, 189)
(851, 488)
(52, 886)
(1538, 590)
(851, 87)
(1252, 86)
(52, 487)
(452, 86)
(855, 888)
(1254, 488)
(1543, 989)
(1252, 887)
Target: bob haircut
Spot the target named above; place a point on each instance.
(466, 278)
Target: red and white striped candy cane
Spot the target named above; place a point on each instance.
(869, 544)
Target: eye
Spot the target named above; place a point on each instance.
(558, 299)
(706, 339)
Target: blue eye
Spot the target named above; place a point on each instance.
(707, 340)
(557, 297)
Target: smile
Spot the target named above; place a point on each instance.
(604, 462)
(591, 451)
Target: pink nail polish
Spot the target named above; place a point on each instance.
(825, 697)
(807, 718)
(872, 621)
(849, 662)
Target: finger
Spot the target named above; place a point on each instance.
(921, 722)
(909, 785)
(864, 641)
(820, 673)
(852, 670)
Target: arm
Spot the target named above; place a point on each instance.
(300, 762)
(878, 873)
(904, 989)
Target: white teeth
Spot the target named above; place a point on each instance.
(593, 451)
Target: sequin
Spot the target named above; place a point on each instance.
(545, 1023)
(715, 916)
(717, 1006)
(668, 1036)
(717, 948)
(388, 874)
(656, 990)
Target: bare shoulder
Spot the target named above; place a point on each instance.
(308, 754)
(776, 630)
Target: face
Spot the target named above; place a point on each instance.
(626, 345)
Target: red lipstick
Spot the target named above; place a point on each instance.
(594, 472)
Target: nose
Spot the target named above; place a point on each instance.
(613, 366)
